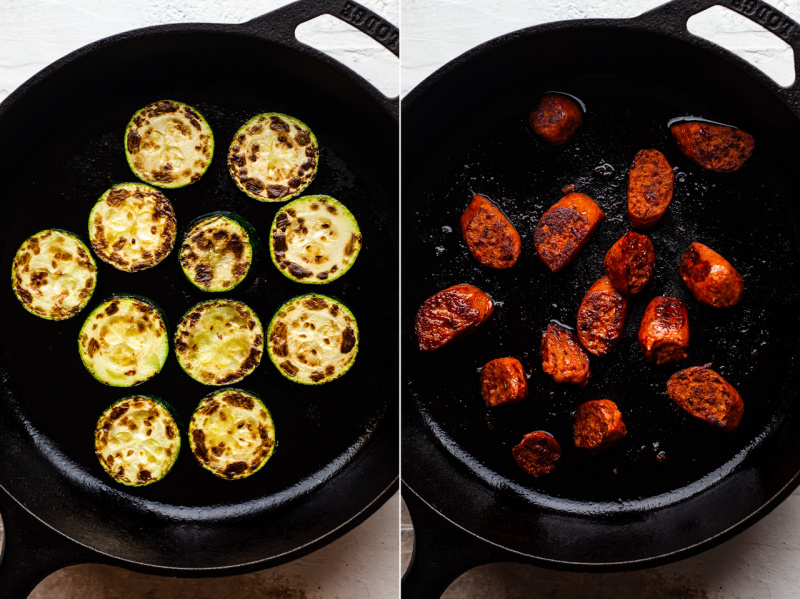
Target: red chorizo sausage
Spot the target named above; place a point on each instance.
(704, 394)
(630, 262)
(503, 382)
(710, 277)
(717, 148)
(664, 332)
(556, 119)
(565, 229)
(537, 453)
(563, 357)
(650, 186)
(598, 424)
(449, 314)
(489, 235)
(601, 317)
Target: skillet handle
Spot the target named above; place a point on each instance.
(442, 551)
(32, 550)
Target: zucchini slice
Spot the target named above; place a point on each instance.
(232, 434)
(273, 157)
(217, 251)
(124, 341)
(168, 144)
(132, 227)
(137, 440)
(312, 339)
(219, 342)
(314, 239)
(53, 274)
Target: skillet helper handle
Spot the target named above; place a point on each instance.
(442, 551)
(32, 550)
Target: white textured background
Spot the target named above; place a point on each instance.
(762, 562)
(363, 563)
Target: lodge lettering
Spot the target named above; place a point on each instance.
(765, 15)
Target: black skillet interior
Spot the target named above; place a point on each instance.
(673, 483)
(62, 148)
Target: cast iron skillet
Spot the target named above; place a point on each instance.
(337, 457)
(465, 131)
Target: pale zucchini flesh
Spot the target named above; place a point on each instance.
(313, 339)
(219, 342)
(273, 157)
(216, 253)
(232, 434)
(314, 239)
(132, 227)
(53, 274)
(124, 341)
(137, 441)
(168, 144)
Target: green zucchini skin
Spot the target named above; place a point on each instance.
(264, 141)
(215, 262)
(118, 234)
(40, 287)
(168, 144)
(232, 433)
(313, 339)
(314, 240)
(124, 341)
(137, 440)
(219, 342)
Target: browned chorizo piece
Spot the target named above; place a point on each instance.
(710, 277)
(563, 357)
(565, 229)
(601, 317)
(664, 332)
(650, 185)
(537, 453)
(704, 394)
(449, 314)
(717, 148)
(598, 424)
(630, 262)
(556, 119)
(489, 235)
(503, 382)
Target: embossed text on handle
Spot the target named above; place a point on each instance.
(765, 15)
(379, 28)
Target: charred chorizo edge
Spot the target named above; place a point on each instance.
(503, 382)
(710, 277)
(556, 119)
(601, 317)
(717, 148)
(537, 453)
(564, 230)
(449, 314)
(707, 396)
(664, 332)
(489, 235)
(563, 357)
(598, 424)
(650, 186)
(630, 262)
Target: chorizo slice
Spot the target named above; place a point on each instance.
(630, 262)
(601, 317)
(564, 230)
(710, 277)
(449, 314)
(650, 185)
(563, 357)
(598, 424)
(537, 453)
(503, 382)
(664, 332)
(489, 235)
(707, 396)
(717, 148)
(556, 119)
